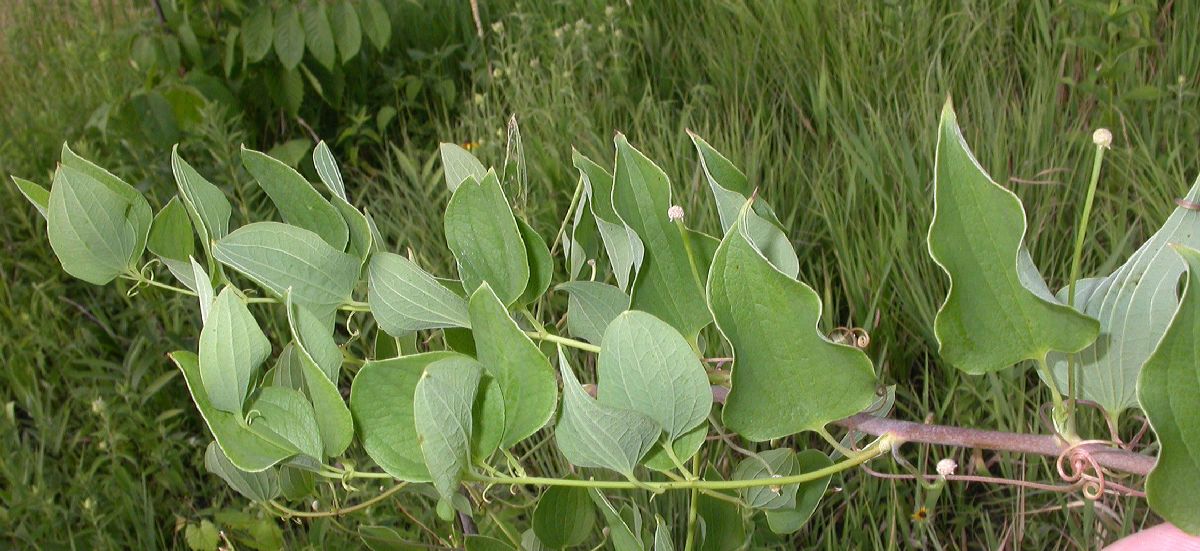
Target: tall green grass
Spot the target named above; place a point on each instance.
(830, 107)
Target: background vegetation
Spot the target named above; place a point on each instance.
(830, 107)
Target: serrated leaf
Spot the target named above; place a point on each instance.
(258, 33)
(1134, 305)
(206, 204)
(665, 285)
(483, 235)
(298, 202)
(522, 373)
(564, 517)
(347, 32)
(768, 464)
(731, 189)
(783, 366)
(623, 246)
(260, 486)
(381, 399)
(645, 365)
(442, 405)
(541, 266)
(624, 537)
(37, 196)
(403, 297)
(998, 311)
(171, 232)
(286, 414)
(318, 35)
(590, 434)
(232, 346)
(245, 447)
(1169, 392)
(289, 36)
(808, 495)
(320, 359)
(279, 257)
(458, 164)
(376, 23)
(591, 306)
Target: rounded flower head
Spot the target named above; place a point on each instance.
(946, 467)
(675, 213)
(1102, 137)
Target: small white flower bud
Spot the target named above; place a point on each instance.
(946, 467)
(1102, 137)
(675, 213)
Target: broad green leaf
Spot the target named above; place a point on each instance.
(298, 202)
(279, 257)
(683, 447)
(232, 346)
(320, 359)
(646, 366)
(483, 235)
(998, 311)
(541, 266)
(665, 285)
(768, 464)
(485, 543)
(289, 36)
(347, 32)
(564, 517)
(403, 297)
(376, 23)
(260, 486)
(206, 204)
(362, 242)
(624, 247)
(171, 233)
(583, 243)
(458, 164)
(783, 366)
(296, 483)
(590, 434)
(37, 195)
(1169, 391)
(203, 288)
(245, 447)
(96, 223)
(623, 536)
(327, 169)
(442, 406)
(524, 376)
(488, 413)
(731, 189)
(530, 541)
(662, 536)
(1134, 305)
(591, 306)
(258, 33)
(286, 414)
(724, 529)
(808, 495)
(318, 35)
(381, 399)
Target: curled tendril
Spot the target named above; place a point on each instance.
(1077, 466)
(252, 415)
(352, 328)
(851, 336)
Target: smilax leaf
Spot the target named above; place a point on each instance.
(483, 235)
(998, 311)
(1169, 390)
(784, 368)
(442, 406)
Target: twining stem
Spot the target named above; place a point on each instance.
(1076, 259)
(689, 541)
(342, 511)
(138, 278)
(544, 336)
(348, 306)
(877, 448)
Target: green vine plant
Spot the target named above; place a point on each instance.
(694, 346)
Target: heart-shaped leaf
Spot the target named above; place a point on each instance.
(403, 297)
(808, 495)
(94, 227)
(1169, 391)
(783, 366)
(666, 285)
(523, 374)
(483, 235)
(998, 311)
(564, 517)
(768, 464)
(591, 306)
(1134, 305)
